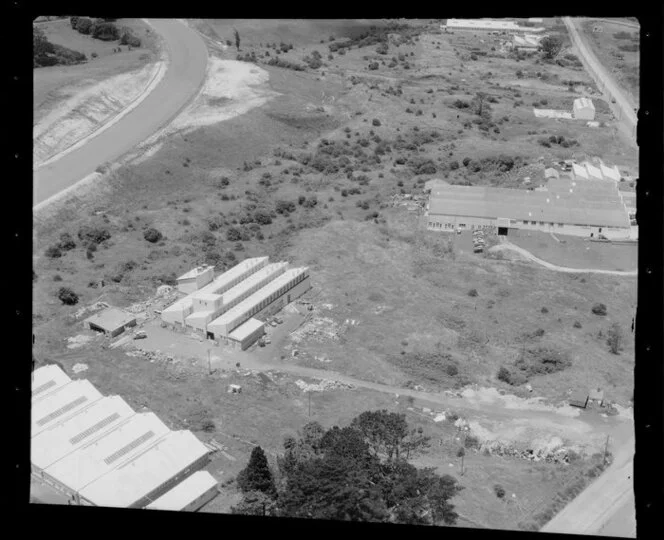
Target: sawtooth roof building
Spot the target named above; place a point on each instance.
(564, 205)
(98, 451)
(230, 307)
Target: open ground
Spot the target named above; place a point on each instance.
(393, 302)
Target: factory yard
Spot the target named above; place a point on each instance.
(314, 187)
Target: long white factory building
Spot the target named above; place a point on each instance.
(226, 308)
(98, 451)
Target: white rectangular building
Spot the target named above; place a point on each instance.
(580, 172)
(195, 279)
(281, 286)
(177, 312)
(63, 439)
(210, 306)
(143, 479)
(104, 454)
(245, 335)
(62, 404)
(189, 495)
(47, 379)
(584, 109)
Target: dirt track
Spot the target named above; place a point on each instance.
(531, 257)
(186, 73)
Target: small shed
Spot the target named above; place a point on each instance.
(597, 396)
(551, 173)
(579, 399)
(111, 321)
(584, 109)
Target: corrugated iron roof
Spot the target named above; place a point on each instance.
(587, 206)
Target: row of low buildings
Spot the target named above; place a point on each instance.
(228, 307)
(582, 109)
(98, 451)
(565, 204)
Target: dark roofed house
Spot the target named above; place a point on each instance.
(111, 321)
(579, 399)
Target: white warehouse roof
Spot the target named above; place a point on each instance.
(580, 171)
(46, 379)
(257, 297)
(61, 440)
(253, 279)
(61, 404)
(185, 492)
(246, 329)
(185, 304)
(611, 173)
(594, 172)
(104, 454)
(130, 482)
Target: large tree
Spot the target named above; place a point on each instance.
(255, 503)
(257, 476)
(551, 46)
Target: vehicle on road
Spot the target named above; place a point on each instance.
(140, 335)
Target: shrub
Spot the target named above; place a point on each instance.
(53, 252)
(94, 55)
(66, 242)
(472, 292)
(127, 37)
(452, 370)
(83, 25)
(544, 310)
(504, 375)
(499, 491)
(73, 21)
(373, 66)
(471, 442)
(93, 235)
(599, 309)
(375, 122)
(57, 277)
(105, 31)
(67, 296)
(152, 235)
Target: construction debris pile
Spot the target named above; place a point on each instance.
(164, 297)
(318, 328)
(323, 386)
(75, 342)
(559, 455)
(152, 356)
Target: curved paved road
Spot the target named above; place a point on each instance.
(565, 269)
(623, 108)
(188, 57)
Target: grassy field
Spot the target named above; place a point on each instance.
(54, 84)
(407, 288)
(620, 55)
(577, 252)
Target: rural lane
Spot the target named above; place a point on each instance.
(187, 65)
(531, 257)
(606, 507)
(623, 108)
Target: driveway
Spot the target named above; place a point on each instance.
(186, 72)
(528, 255)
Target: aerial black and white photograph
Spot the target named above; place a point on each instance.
(368, 270)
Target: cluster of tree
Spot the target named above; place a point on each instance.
(104, 30)
(45, 53)
(533, 362)
(551, 46)
(355, 473)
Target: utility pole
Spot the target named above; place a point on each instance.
(606, 448)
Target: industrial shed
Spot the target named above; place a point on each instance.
(47, 379)
(564, 206)
(195, 279)
(98, 451)
(579, 399)
(66, 438)
(142, 480)
(176, 313)
(61, 404)
(285, 288)
(583, 109)
(111, 321)
(245, 335)
(188, 496)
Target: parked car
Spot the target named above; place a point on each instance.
(278, 320)
(273, 323)
(140, 334)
